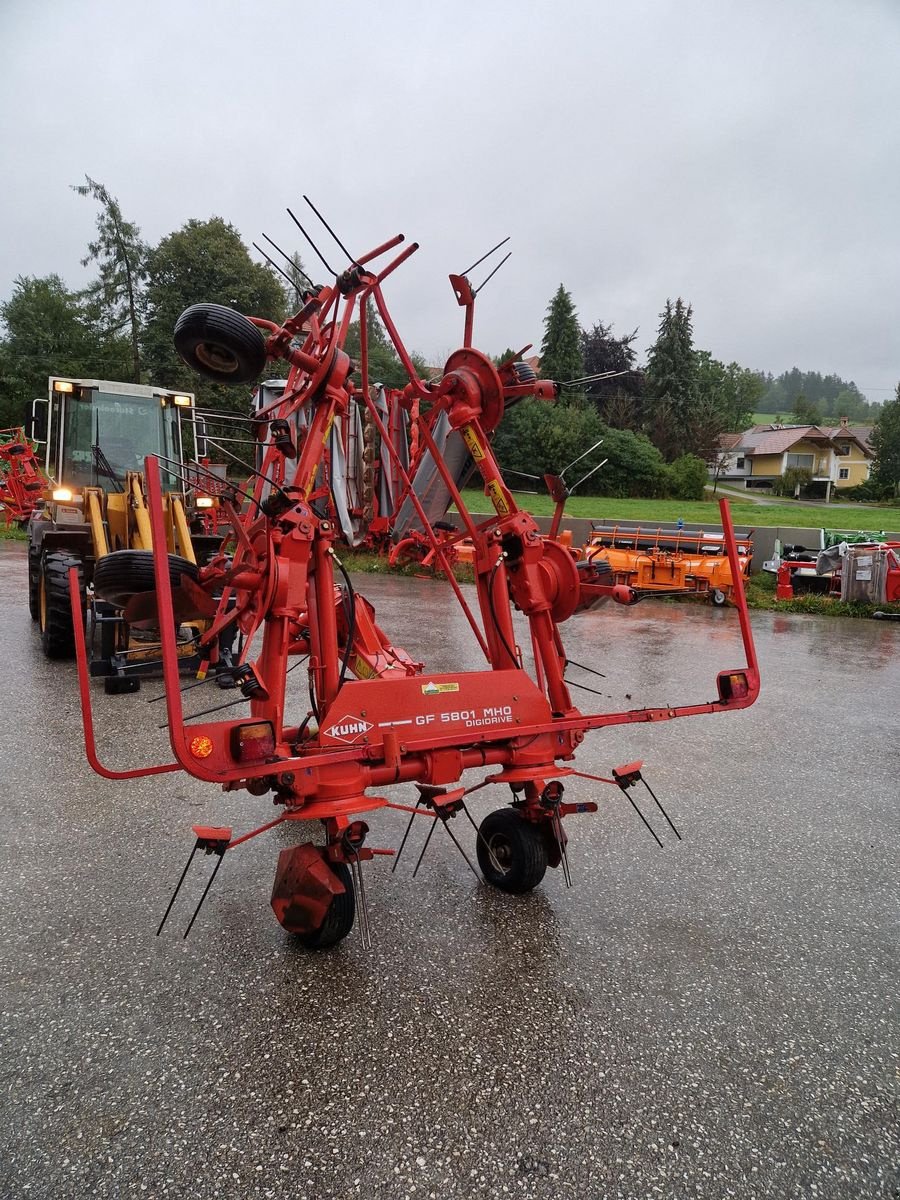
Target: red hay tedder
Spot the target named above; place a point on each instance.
(376, 718)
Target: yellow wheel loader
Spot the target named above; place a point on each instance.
(96, 434)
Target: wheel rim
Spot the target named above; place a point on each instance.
(500, 852)
(216, 358)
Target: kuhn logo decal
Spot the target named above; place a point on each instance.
(348, 729)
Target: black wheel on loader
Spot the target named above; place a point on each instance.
(339, 918)
(124, 573)
(54, 607)
(34, 583)
(220, 344)
(512, 852)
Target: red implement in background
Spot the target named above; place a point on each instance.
(375, 717)
(22, 480)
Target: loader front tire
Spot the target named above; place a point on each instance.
(220, 344)
(34, 583)
(54, 607)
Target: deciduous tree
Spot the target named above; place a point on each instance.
(203, 262)
(44, 333)
(885, 441)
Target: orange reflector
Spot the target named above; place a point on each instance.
(254, 742)
(201, 746)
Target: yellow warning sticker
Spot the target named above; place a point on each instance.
(364, 670)
(436, 689)
(470, 437)
(495, 491)
(328, 429)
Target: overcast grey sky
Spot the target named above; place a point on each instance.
(744, 154)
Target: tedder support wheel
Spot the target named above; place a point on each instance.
(54, 608)
(511, 851)
(220, 344)
(339, 918)
(718, 598)
(34, 584)
(125, 573)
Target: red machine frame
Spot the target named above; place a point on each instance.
(392, 723)
(22, 480)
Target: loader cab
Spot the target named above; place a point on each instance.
(95, 431)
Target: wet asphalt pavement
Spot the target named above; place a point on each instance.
(718, 1018)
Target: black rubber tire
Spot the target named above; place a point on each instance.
(339, 918)
(519, 848)
(34, 583)
(220, 344)
(54, 608)
(125, 573)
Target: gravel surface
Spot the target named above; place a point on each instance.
(717, 1018)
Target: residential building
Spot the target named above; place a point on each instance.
(837, 456)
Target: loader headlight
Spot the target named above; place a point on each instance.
(63, 385)
(181, 401)
(63, 495)
(205, 502)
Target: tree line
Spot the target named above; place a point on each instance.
(120, 325)
(658, 424)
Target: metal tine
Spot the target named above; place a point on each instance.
(363, 907)
(492, 274)
(274, 265)
(412, 817)
(480, 836)
(312, 243)
(661, 809)
(178, 886)
(331, 231)
(479, 261)
(290, 261)
(206, 711)
(650, 829)
(563, 853)
(425, 847)
(458, 845)
(209, 884)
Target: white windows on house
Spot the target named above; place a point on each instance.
(844, 473)
(801, 460)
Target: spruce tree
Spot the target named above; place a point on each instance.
(671, 394)
(561, 357)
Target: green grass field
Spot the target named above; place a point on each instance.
(696, 512)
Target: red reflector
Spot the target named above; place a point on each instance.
(733, 685)
(253, 743)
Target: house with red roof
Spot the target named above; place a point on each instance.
(837, 456)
